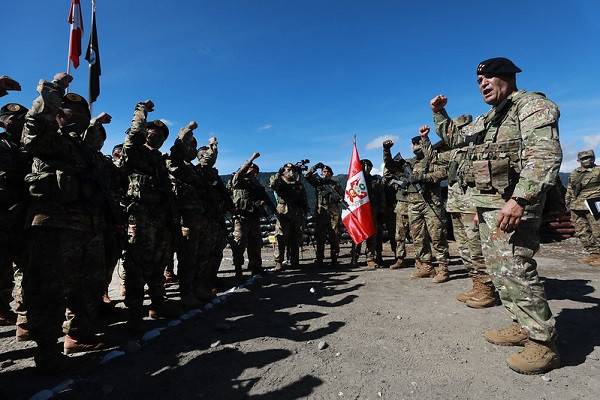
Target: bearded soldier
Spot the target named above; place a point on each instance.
(513, 160)
(328, 216)
(584, 183)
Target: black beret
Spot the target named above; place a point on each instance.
(13, 109)
(288, 165)
(416, 140)
(367, 162)
(157, 123)
(73, 99)
(118, 147)
(327, 167)
(254, 166)
(497, 66)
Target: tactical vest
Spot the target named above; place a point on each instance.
(145, 188)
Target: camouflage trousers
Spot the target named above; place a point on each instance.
(210, 252)
(288, 235)
(327, 226)
(587, 230)
(466, 234)
(149, 236)
(371, 245)
(12, 255)
(402, 228)
(428, 231)
(386, 221)
(64, 269)
(247, 235)
(510, 263)
(194, 230)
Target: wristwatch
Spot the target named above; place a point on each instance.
(521, 201)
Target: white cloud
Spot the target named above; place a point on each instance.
(265, 127)
(377, 171)
(592, 140)
(167, 122)
(376, 143)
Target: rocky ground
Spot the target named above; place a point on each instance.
(346, 334)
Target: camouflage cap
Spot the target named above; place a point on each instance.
(463, 120)
(585, 153)
(13, 109)
(71, 100)
(497, 66)
(158, 124)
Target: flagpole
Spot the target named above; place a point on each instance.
(90, 65)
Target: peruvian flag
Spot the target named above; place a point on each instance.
(358, 218)
(76, 32)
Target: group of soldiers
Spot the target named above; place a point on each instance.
(70, 213)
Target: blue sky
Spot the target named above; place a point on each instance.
(296, 79)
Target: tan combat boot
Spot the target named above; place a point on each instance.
(595, 261)
(512, 335)
(91, 343)
(463, 297)
(588, 259)
(484, 297)
(398, 264)
(372, 265)
(536, 358)
(443, 275)
(426, 270)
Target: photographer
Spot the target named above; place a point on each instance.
(292, 205)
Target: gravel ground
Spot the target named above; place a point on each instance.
(315, 333)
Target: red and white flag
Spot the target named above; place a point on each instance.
(358, 218)
(76, 32)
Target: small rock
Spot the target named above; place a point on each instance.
(222, 326)
(379, 394)
(593, 357)
(322, 345)
(312, 290)
(546, 379)
(340, 393)
(398, 317)
(215, 344)
(107, 389)
(7, 363)
(338, 354)
(132, 346)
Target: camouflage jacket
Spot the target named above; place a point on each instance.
(584, 183)
(289, 194)
(325, 201)
(513, 150)
(149, 181)
(63, 189)
(15, 163)
(245, 194)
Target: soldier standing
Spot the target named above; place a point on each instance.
(249, 202)
(151, 215)
(514, 162)
(584, 183)
(397, 202)
(328, 217)
(292, 205)
(65, 224)
(425, 211)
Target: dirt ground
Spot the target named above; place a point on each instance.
(315, 333)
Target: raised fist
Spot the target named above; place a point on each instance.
(438, 103)
(63, 79)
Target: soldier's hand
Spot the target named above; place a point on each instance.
(438, 103)
(476, 219)
(149, 105)
(510, 216)
(212, 140)
(388, 144)
(192, 125)
(63, 79)
(8, 83)
(424, 131)
(255, 155)
(417, 178)
(104, 118)
(319, 165)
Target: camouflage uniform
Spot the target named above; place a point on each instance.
(150, 215)
(377, 204)
(292, 205)
(396, 202)
(191, 199)
(515, 155)
(219, 203)
(584, 183)
(65, 225)
(328, 217)
(246, 223)
(15, 163)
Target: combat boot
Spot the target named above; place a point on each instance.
(170, 277)
(372, 265)
(512, 335)
(426, 270)
(595, 262)
(190, 301)
(22, 334)
(334, 263)
(398, 264)
(536, 358)
(484, 297)
(164, 309)
(319, 263)
(204, 295)
(278, 266)
(91, 343)
(590, 258)
(49, 360)
(443, 275)
(463, 297)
